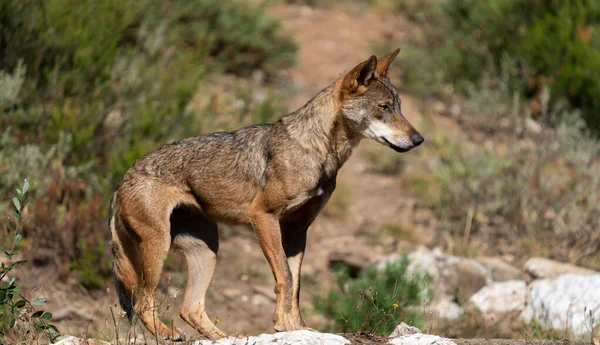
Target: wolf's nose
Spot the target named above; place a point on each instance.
(417, 139)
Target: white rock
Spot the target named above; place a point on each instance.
(455, 110)
(447, 310)
(421, 339)
(439, 107)
(405, 334)
(533, 126)
(438, 265)
(565, 300)
(404, 329)
(498, 299)
(282, 338)
(78, 341)
(538, 268)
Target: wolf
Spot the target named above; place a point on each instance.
(274, 177)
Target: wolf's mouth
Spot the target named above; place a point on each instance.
(394, 147)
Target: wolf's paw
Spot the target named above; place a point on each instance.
(177, 335)
(287, 322)
(215, 334)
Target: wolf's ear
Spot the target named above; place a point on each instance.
(384, 63)
(360, 75)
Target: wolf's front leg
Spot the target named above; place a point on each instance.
(267, 229)
(294, 244)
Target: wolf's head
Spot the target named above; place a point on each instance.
(372, 106)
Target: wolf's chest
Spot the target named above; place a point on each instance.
(321, 191)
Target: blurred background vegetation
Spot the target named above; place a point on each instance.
(526, 73)
(87, 87)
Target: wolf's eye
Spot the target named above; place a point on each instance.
(384, 106)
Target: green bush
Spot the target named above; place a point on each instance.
(118, 77)
(20, 321)
(554, 43)
(374, 302)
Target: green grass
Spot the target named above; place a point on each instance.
(374, 302)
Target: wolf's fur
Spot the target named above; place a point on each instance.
(275, 177)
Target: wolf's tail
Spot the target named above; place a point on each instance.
(123, 266)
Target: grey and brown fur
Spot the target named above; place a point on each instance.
(276, 177)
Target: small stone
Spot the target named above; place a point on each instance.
(533, 126)
(403, 329)
(439, 107)
(550, 214)
(259, 96)
(230, 293)
(173, 291)
(261, 300)
(455, 110)
(258, 77)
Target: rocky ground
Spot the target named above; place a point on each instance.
(402, 335)
(497, 289)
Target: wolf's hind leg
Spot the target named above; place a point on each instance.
(197, 238)
(153, 252)
(140, 246)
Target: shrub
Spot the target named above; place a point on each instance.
(374, 302)
(118, 77)
(20, 321)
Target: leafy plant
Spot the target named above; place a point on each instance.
(20, 321)
(376, 301)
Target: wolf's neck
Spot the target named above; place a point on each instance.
(319, 127)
